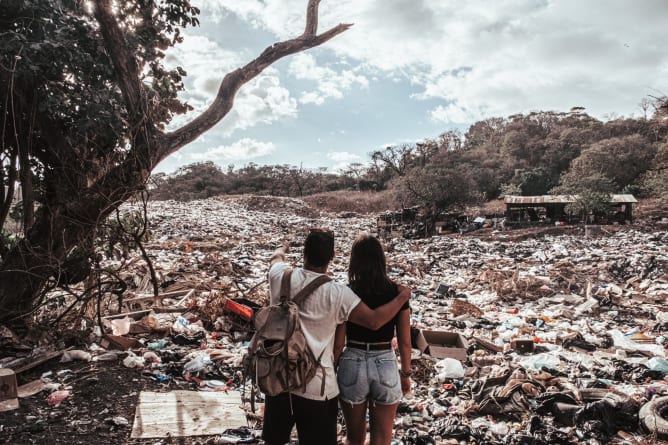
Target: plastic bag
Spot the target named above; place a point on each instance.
(120, 326)
(198, 363)
(132, 361)
(449, 368)
(75, 354)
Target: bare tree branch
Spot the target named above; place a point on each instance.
(311, 18)
(231, 83)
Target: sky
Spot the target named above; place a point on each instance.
(409, 70)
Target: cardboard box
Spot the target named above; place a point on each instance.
(118, 342)
(443, 344)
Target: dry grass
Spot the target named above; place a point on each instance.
(343, 201)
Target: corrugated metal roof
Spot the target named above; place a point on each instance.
(623, 198)
(560, 199)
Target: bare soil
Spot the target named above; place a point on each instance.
(102, 391)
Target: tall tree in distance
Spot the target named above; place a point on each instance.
(86, 101)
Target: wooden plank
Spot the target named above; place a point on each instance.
(187, 413)
(134, 315)
(172, 294)
(184, 299)
(39, 360)
(31, 388)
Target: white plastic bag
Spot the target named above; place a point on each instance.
(75, 354)
(120, 326)
(449, 368)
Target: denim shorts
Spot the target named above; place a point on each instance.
(369, 375)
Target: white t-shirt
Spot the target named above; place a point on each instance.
(329, 305)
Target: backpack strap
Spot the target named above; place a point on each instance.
(309, 288)
(298, 299)
(285, 285)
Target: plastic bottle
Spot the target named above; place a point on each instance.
(158, 344)
(198, 363)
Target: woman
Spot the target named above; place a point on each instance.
(368, 375)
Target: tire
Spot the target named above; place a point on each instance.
(653, 417)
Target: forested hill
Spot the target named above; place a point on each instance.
(537, 153)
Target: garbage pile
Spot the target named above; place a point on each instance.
(558, 339)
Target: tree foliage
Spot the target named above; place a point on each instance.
(532, 154)
(87, 100)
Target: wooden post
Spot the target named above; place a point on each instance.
(8, 390)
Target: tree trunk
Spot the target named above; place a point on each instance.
(72, 209)
(58, 228)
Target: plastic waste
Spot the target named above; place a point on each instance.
(97, 332)
(185, 340)
(106, 357)
(133, 361)
(623, 342)
(198, 363)
(57, 397)
(180, 325)
(75, 354)
(120, 326)
(162, 378)
(241, 310)
(499, 428)
(658, 364)
(159, 322)
(242, 435)
(539, 361)
(449, 368)
(151, 357)
(158, 344)
(119, 421)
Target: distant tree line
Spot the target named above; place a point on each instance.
(206, 179)
(524, 154)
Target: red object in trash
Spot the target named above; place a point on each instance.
(243, 311)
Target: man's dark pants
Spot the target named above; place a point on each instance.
(315, 419)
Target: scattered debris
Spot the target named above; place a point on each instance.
(547, 338)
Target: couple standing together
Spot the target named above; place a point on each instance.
(362, 317)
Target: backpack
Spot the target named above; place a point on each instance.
(279, 359)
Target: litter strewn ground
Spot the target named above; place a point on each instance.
(549, 338)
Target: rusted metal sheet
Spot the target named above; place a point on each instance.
(562, 199)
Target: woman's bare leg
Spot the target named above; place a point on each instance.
(381, 419)
(355, 417)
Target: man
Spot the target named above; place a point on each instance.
(329, 305)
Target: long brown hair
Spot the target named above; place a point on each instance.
(367, 271)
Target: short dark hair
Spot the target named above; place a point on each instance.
(319, 247)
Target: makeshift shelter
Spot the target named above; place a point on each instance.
(549, 208)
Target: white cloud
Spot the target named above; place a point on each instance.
(450, 62)
(329, 83)
(342, 159)
(284, 18)
(517, 55)
(262, 101)
(452, 113)
(342, 156)
(241, 150)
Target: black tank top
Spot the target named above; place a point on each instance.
(359, 333)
